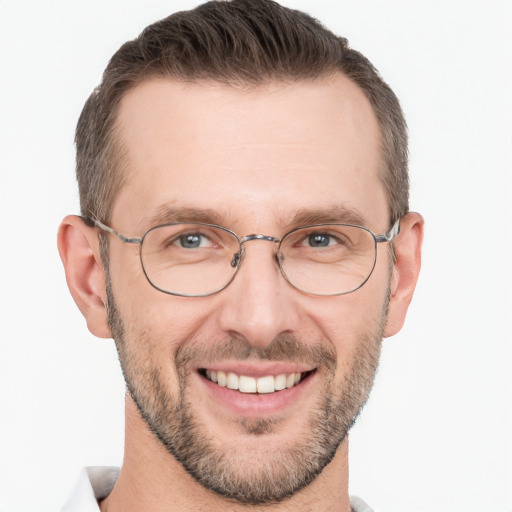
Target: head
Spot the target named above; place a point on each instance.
(253, 117)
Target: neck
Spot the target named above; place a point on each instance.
(151, 479)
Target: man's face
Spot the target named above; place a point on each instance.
(263, 161)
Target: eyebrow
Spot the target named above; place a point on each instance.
(333, 214)
(168, 215)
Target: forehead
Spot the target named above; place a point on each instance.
(260, 153)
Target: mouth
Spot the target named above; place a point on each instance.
(265, 384)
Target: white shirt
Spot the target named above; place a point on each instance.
(96, 483)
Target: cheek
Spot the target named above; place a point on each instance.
(161, 321)
(349, 316)
(348, 321)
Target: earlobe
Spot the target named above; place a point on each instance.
(79, 251)
(405, 271)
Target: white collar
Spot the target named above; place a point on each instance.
(94, 483)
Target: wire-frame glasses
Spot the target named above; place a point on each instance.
(196, 259)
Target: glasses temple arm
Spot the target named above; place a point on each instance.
(112, 231)
(389, 235)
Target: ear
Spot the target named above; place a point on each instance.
(405, 271)
(79, 251)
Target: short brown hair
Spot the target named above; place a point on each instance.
(246, 42)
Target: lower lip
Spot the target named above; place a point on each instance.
(254, 404)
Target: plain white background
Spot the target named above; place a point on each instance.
(435, 435)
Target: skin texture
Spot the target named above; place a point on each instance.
(251, 160)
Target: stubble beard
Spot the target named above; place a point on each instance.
(259, 477)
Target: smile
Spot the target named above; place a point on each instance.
(246, 384)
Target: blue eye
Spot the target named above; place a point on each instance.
(319, 240)
(192, 241)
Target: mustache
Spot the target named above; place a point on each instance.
(286, 347)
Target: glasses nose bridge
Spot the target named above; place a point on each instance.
(265, 238)
(237, 259)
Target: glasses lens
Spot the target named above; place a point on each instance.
(328, 259)
(189, 259)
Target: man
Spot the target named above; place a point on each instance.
(245, 239)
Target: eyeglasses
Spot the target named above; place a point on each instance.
(196, 260)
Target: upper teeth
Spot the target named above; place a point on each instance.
(245, 384)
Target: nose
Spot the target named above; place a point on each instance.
(259, 304)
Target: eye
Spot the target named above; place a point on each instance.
(319, 240)
(339, 237)
(193, 241)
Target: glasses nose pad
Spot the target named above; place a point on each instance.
(236, 259)
(279, 259)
